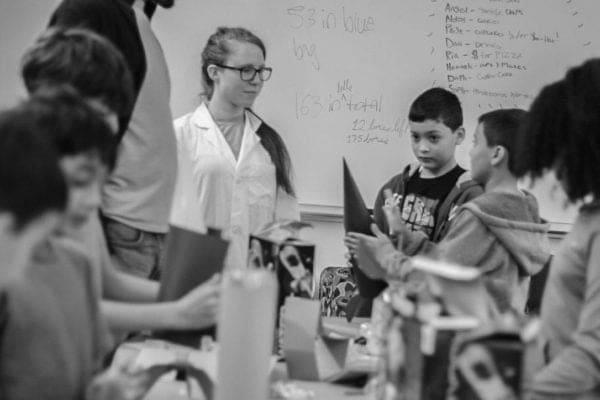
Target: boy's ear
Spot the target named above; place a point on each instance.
(460, 135)
(499, 155)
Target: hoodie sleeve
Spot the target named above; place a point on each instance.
(460, 195)
(576, 369)
(466, 243)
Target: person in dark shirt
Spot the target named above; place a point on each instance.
(429, 192)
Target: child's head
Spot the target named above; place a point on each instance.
(495, 143)
(84, 60)
(435, 122)
(85, 146)
(33, 192)
(236, 48)
(563, 132)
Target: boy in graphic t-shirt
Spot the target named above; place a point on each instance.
(422, 197)
(429, 192)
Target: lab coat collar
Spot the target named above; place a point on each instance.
(204, 120)
(250, 139)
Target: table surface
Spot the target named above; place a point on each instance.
(177, 390)
(169, 388)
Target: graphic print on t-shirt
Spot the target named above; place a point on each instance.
(418, 212)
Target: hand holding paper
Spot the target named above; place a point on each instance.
(125, 380)
(372, 251)
(393, 215)
(198, 309)
(193, 259)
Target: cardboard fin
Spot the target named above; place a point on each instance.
(358, 219)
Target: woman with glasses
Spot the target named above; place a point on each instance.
(234, 170)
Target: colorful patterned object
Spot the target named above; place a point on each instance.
(336, 286)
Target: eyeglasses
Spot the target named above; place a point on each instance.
(248, 73)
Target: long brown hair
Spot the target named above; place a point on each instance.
(280, 157)
(216, 52)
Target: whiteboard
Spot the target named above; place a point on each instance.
(346, 72)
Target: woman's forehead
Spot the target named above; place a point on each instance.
(244, 53)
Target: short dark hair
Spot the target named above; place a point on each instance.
(563, 132)
(72, 125)
(501, 128)
(31, 182)
(84, 60)
(437, 104)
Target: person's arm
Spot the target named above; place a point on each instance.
(123, 316)
(377, 255)
(576, 369)
(465, 244)
(120, 286)
(407, 241)
(195, 310)
(378, 258)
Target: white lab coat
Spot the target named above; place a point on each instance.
(215, 190)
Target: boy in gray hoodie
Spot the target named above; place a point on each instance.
(499, 232)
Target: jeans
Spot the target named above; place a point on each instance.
(135, 251)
